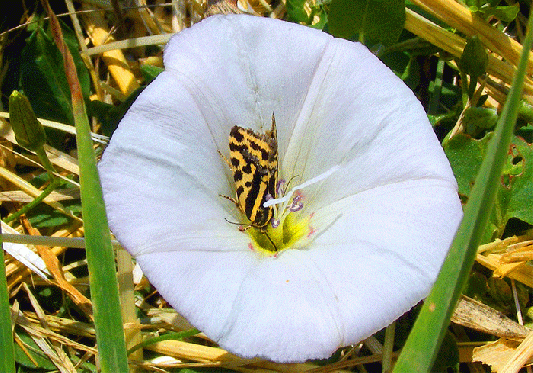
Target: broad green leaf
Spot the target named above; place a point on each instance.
(296, 11)
(411, 75)
(515, 192)
(465, 155)
(43, 79)
(476, 287)
(43, 76)
(110, 115)
(447, 360)
(43, 216)
(486, 9)
(436, 120)
(36, 354)
(500, 291)
(474, 58)
(473, 62)
(496, 292)
(319, 17)
(525, 114)
(397, 61)
(473, 3)
(380, 20)
(476, 118)
(503, 13)
(150, 72)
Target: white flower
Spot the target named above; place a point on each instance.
(380, 204)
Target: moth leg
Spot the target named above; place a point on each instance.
(264, 231)
(244, 228)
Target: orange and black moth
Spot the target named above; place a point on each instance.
(254, 164)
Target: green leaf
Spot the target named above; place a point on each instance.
(150, 72)
(476, 118)
(447, 360)
(411, 75)
(397, 61)
(110, 115)
(36, 354)
(503, 13)
(43, 76)
(476, 287)
(473, 3)
(319, 17)
(380, 20)
(465, 155)
(43, 216)
(474, 59)
(525, 114)
(296, 11)
(473, 62)
(43, 79)
(516, 192)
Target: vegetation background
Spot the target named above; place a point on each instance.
(459, 57)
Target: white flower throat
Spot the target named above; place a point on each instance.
(254, 164)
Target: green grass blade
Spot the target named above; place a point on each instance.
(7, 349)
(426, 336)
(99, 251)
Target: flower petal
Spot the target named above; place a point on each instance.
(242, 69)
(162, 161)
(385, 249)
(278, 308)
(361, 117)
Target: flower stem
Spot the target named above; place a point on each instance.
(48, 166)
(49, 189)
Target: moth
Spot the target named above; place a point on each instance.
(254, 164)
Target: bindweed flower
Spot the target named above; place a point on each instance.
(364, 208)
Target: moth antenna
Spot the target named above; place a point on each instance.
(230, 199)
(225, 159)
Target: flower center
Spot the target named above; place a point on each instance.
(271, 241)
(286, 228)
